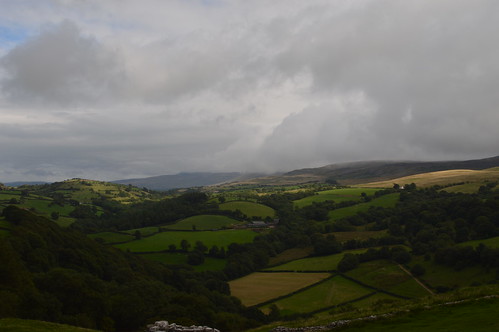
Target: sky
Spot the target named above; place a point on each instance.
(119, 89)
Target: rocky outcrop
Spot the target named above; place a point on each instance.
(164, 326)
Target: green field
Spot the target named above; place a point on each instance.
(210, 264)
(112, 237)
(467, 188)
(358, 235)
(250, 209)
(203, 223)
(440, 275)
(387, 276)
(493, 242)
(319, 263)
(26, 325)
(389, 200)
(144, 231)
(161, 241)
(477, 316)
(326, 294)
(259, 287)
(336, 195)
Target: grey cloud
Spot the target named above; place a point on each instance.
(61, 67)
(436, 59)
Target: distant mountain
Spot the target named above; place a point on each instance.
(22, 183)
(370, 171)
(186, 180)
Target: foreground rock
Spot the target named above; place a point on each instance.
(164, 326)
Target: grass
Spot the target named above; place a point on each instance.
(331, 292)
(467, 188)
(441, 178)
(358, 235)
(336, 195)
(477, 316)
(440, 275)
(203, 222)
(26, 325)
(112, 237)
(161, 241)
(259, 287)
(250, 209)
(210, 264)
(387, 276)
(144, 231)
(319, 263)
(492, 242)
(389, 200)
(290, 255)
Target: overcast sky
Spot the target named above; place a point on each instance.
(123, 88)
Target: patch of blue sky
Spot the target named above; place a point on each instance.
(11, 36)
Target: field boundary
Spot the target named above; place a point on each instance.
(294, 292)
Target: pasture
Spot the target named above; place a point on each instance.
(259, 287)
(144, 231)
(203, 223)
(441, 178)
(112, 237)
(439, 275)
(336, 195)
(358, 235)
(161, 241)
(250, 209)
(26, 325)
(387, 276)
(318, 263)
(210, 264)
(321, 296)
(492, 242)
(384, 201)
(477, 316)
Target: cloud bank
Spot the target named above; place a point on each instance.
(118, 89)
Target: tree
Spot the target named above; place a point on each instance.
(138, 235)
(54, 215)
(348, 262)
(195, 258)
(185, 245)
(417, 270)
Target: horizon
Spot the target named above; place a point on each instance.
(105, 91)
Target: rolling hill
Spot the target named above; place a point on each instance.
(369, 171)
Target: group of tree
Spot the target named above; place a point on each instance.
(60, 275)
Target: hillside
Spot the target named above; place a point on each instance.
(472, 178)
(185, 180)
(369, 171)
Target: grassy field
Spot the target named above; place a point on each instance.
(441, 178)
(112, 237)
(331, 292)
(493, 242)
(389, 200)
(290, 255)
(250, 209)
(26, 325)
(467, 188)
(477, 316)
(144, 231)
(319, 263)
(203, 222)
(210, 264)
(358, 235)
(161, 241)
(387, 276)
(336, 195)
(439, 275)
(259, 287)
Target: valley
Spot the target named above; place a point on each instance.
(300, 254)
